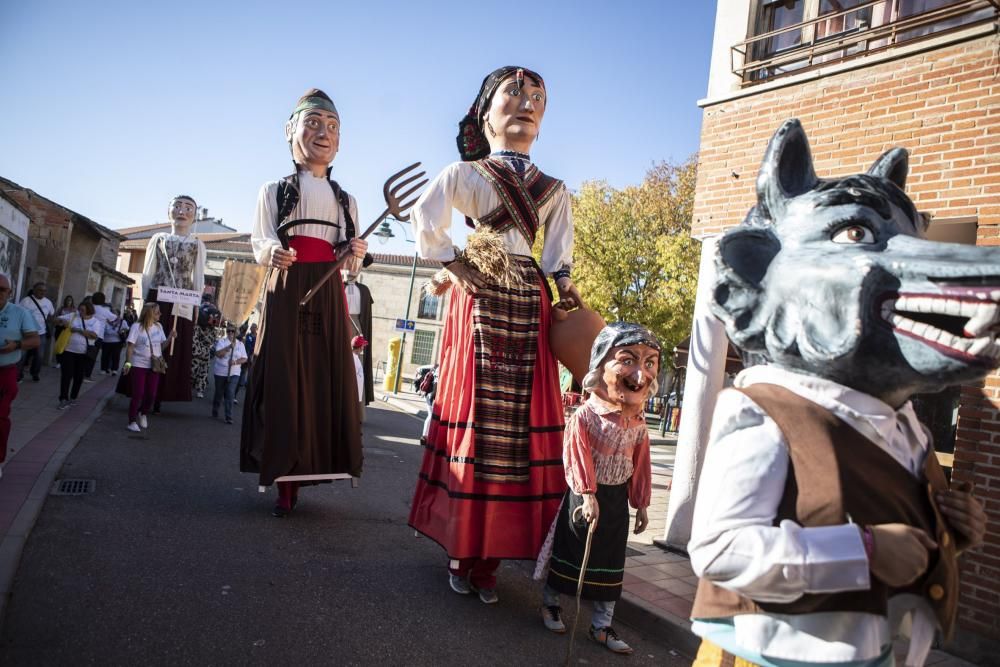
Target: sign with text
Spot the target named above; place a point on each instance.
(178, 295)
(241, 285)
(406, 326)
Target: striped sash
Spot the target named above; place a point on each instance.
(520, 198)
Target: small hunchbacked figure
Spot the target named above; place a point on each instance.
(608, 468)
(823, 516)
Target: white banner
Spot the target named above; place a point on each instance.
(178, 295)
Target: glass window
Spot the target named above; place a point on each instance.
(859, 20)
(778, 14)
(428, 308)
(423, 348)
(914, 7)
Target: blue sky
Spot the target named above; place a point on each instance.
(111, 108)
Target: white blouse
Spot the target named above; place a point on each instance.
(462, 188)
(735, 544)
(316, 202)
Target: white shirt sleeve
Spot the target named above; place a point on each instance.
(432, 214)
(199, 268)
(264, 237)
(558, 249)
(149, 265)
(734, 542)
(240, 352)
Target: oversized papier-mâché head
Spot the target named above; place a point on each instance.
(624, 364)
(835, 278)
(313, 130)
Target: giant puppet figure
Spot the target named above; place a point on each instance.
(302, 418)
(823, 516)
(176, 260)
(492, 478)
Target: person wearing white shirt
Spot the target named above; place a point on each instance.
(228, 356)
(738, 544)
(86, 330)
(145, 342)
(43, 311)
(105, 314)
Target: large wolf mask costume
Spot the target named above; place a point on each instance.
(834, 278)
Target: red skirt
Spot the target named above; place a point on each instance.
(474, 518)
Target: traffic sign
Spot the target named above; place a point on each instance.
(406, 326)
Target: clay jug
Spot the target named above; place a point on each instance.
(572, 334)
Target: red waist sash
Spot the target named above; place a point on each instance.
(311, 249)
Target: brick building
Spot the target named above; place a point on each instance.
(863, 77)
(66, 250)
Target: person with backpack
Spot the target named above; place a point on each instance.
(303, 377)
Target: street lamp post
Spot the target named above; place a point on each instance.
(384, 233)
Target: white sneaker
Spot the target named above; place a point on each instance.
(143, 422)
(200, 394)
(134, 427)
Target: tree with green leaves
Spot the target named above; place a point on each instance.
(634, 258)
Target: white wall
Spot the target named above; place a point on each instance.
(14, 224)
(731, 20)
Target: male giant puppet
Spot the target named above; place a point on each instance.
(492, 476)
(177, 260)
(303, 416)
(822, 514)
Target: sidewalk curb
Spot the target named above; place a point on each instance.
(400, 404)
(648, 620)
(13, 542)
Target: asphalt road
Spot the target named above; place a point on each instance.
(175, 559)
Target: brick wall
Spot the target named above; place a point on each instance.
(944, 106)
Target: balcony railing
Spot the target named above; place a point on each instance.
(755, 62)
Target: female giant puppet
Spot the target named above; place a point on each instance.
(177, 260)
(303, 417)
(492, 477)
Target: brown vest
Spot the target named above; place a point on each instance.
(835, 472)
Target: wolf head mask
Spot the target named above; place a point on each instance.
(835, 278)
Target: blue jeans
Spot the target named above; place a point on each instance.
(603, 610)
(225, 387)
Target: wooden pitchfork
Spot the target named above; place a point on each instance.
(395, 204)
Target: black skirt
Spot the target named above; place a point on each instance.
(302, 414)
(606, 567)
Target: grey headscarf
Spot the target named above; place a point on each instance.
(617, 334)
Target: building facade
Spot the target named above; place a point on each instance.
(221, 243)
(389, 279)
(69, 252)
(863, 77)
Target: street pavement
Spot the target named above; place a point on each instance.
(176, 559)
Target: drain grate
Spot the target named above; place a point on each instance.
(74, 487)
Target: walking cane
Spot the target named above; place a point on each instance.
(579, 584)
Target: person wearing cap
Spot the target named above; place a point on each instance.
(302, 410)
(608, 468)
(228, 355)
(175, 259)
(490, 493)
